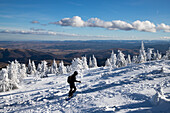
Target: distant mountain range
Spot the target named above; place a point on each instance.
(22, 55)
(67, 50)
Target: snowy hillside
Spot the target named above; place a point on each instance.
(141, 88)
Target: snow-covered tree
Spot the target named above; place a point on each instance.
(90, 63)
(94, 62)
(142, 54)
(49, 70)
(149, 54)
(13, 75)
(17, 65)
(107, 63)
(113, 59)
(54, 68)
(135, 59)
(77, 64)
(141, 58)
(44, 69)
(4, 81)
(62, 68)
(120, 62)
(154, 56)
(143, 50)
(68, 68)
(84, 63)
(167, 56)
(128, 60)
(23, 70)
(12, 71)
(39, 67)
(158, 55)
(29, 68)
(33, 68)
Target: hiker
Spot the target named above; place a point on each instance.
(71, 79)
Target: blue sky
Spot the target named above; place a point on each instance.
(84, 20)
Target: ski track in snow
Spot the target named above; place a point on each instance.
(126, 89)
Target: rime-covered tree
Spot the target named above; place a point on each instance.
(29, 68)
(39, 67)
(149, 54)
(94, 62)
(49, 70)
(23, 70)
(17, 65)
(84, 63)
(154, 56)
(44, 69)
(113, 59)
(68, 68)
(135, 59)
(142, 53)
(141, 58)
(77, 64)
(4, 81)
(167, 56)
(12, 71)
(33, 68)
(128, 60)
(159, 55)
(62, 68)
(120, 62)
(13, 75)
(107, 63)
(54, 68)
(90, 63)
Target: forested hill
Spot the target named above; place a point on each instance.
(23, 55)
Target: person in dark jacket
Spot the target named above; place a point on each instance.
(71, 79)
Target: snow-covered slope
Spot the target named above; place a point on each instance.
(134, 88)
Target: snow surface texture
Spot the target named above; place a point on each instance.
(142, 88)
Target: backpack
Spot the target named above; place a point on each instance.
(69, 79)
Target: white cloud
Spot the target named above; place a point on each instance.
(162, 26)
(114, 25)
(43, 32)
(138, 25)
(118, 24)
(36, 32)
(76, 21)
(165, 37)
(34, 29)
(96, 22)
(144, 26)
